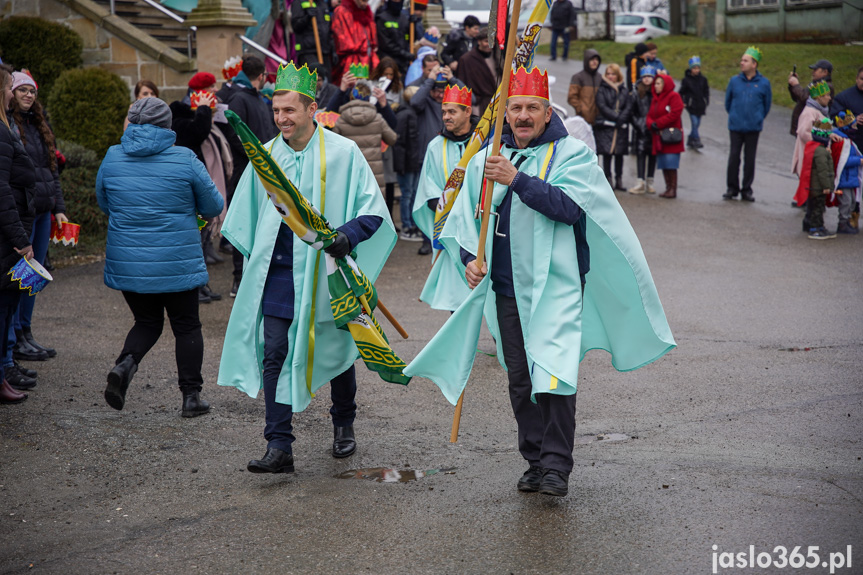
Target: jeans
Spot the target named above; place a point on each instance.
(278, 429)
(182, 308)
(8, 304)
(748, 143)
(555, 34)
(23, 314)
(546, 429)
(640, 162)
(408, 185)
(695, 121)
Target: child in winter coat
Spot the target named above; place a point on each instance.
(641, 136)
(848, 162)
(696, 97)
(407, 162)
(816, 180)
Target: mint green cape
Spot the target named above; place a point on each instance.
(621, 311)
(445, 287)
(252, 225)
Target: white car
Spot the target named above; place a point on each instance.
(634, 27)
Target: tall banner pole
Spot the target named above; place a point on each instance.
(511, 43)
(317, 39)
(411, 26)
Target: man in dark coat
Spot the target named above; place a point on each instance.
(851, 99)
(246, 102)
(393, 26)
(584, 85)
(477, 70)
(821, 70)
(634, 61)
(562, 17)
(302, 14)
(460, 42)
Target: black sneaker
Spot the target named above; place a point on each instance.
(529, 482)
(820, 234)
(554, 482)
(18, 380)
(235, 287)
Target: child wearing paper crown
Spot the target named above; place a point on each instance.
(815, 110)
(695, 92)
(361, 122)
(848, 163)
(816, 180)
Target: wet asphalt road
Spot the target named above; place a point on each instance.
(730, 440)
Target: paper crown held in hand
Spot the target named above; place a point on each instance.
(360, 71)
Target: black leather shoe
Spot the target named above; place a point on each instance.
(193, 405)
(118, 382)
(729, 195)
(18, 380)
(344, 442)
(26, 352)
(28, 336)
(554, 483)
(747, 196)
(32, 372)
(273, 461)
(529, 482)
(425, 249)
(210, 293)
(203, 297)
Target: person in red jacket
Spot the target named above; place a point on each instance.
(666, 130)
(355, 36)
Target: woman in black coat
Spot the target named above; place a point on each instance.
(611, 127)
(642, 139)
(17, 190)
(27, 119)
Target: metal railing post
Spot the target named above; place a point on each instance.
(113, 8)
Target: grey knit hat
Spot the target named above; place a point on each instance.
(150, 111)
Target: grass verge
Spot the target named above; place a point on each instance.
(720, 60)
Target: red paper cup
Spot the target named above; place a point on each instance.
(66, 233)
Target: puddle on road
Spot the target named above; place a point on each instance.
(585, 439)
(386, 475)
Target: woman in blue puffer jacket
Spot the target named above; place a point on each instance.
(152, 191)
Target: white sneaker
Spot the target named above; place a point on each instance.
(649, 186)
(411, 235)
(637, 188)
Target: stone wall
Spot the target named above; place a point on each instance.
(104, 49)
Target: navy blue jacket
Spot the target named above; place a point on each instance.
(538, 195)
(278, 298)
(747, 102)
(850, 99)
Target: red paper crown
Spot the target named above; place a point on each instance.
(533, 83)
(423, 3)
(195, 100)
(456, 95)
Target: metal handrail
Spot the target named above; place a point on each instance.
(168, 13)
(262, 50)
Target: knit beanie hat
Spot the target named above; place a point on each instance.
(150, 111)
(641, 49)
(22, 78)
(202, 81)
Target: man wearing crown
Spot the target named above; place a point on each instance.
(281, 335)
(445, 287)
(557, 229)
(747, 101)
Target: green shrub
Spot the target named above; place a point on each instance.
(87, 106)
(77, 156)
(43, 47)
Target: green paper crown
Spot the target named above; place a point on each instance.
(359, 70)
(817, 89)
(302, 80)
(755, 53)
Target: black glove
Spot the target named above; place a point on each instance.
(654, 127)
(416, 18)
(340, 247)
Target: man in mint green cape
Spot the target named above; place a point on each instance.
(567, 274)
(445, 287)
(281, 335)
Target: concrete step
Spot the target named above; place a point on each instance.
(154, 22)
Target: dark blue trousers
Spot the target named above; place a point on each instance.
(546, 429)
(278, 430)
(8, 304)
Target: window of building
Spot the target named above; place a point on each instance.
(743, 4)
